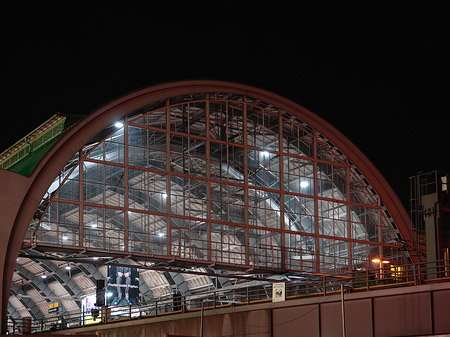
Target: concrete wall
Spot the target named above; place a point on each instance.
(408, 311)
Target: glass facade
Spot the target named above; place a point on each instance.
(222, 179)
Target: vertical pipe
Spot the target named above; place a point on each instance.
(168, 182)
(284, 265)
(342, 310)
(125, 194)
(316, 201)
(247, 232)
(81, 195)
(208, 182)
(201, 320)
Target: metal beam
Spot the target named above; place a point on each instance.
(37, 283)
(28, 303)
(70, 286)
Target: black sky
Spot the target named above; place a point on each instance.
(378, 72)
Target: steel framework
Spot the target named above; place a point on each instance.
(217, 179)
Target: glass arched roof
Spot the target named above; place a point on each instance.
(217, 179)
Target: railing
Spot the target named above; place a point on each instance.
(31, 142)
(385, 276)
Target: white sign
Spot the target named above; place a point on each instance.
(278, 292)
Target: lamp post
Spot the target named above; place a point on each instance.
(380, 263)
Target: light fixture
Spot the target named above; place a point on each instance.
(118, 124)
(161, 235)
(43, 276)
(265, 153)
(94, 225)
(164, 195)
(64, 237)
(385, 262)
(304, 184)
(109, 294)
(376, 260)
(95, 258)
(68, 268)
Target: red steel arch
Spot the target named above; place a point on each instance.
(81, 133)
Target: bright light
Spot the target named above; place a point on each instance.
(118, 124)
(265, 153)
(65, 238)
(304, 184)
(109, 294)
(43, 276)
(93, 225)
(95, 258)
(161, 235)
(385, 261)
(164, 195)
(377, 260)
(68, 268)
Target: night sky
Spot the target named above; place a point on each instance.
(378, 72)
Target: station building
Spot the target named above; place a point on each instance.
(197, 185)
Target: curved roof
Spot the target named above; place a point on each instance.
(291, 148)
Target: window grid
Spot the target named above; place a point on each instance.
(240, 223)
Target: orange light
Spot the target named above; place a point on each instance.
(386, 262)
(377, 260)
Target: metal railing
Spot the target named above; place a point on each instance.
(304, 285)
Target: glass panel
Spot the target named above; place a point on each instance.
(147, 148)
(388, 235)
(226, 121)
(265, 248)
(188, 156)
(228, 244)
(296, 140)
(156, 119)
(333, 219)
(360, 255)
(262, 129)
(189, 239)
(334, 256)
(60, 224)
(301, 252)
(189, 118)
(299, 213)
(331, 181)
(298, 175)
(227, 203)
(70, 190)
(147, 233)
(263, 169)
(188, 197)
(106, 228)
(359, 192)
(227, 162)
(264, 209)
(325, 152)
(365, 223)
(147, 190)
